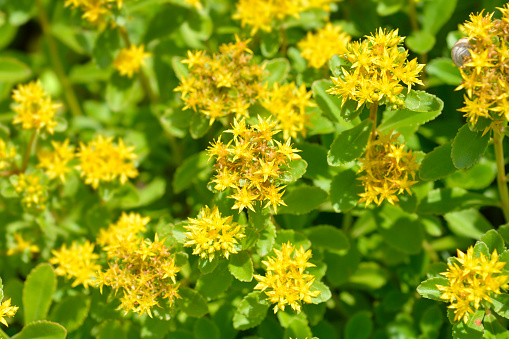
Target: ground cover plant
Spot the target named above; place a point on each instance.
(267, 169)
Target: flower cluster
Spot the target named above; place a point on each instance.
(388, 169)
(22, 245)
(7, 154)
(378, 67)
(144, 271)
(95, 10)
(227, 82)
(210, 233)
(6, 310)
(286, 282)
(317, 48)
(288, 103)
(34, 107)
(485, 73)
(32, 191)
(252, 163)
(475, 280)
(263, 14)
(55, 163)
(78, 262)
(130, 59)
(102, 160)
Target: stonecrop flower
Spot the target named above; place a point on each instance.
(7, 154)
(130, 59)
(317, 48)
(22, 245)
(34, 108)
(55, 163)
(252, 163)
(94, 11)
(226, 82)
(378, 69)
(102, 161)
(77, 262)
(286, 282)
(267, 14)
(122, 233)
(485, 73)
(388, 170)
(145, 274)
(473, 280)
(210, 233)
(31, 190)
(288, 104)
(195, 3)
(6, 310)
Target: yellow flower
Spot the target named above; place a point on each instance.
(78, 262)
(55, 163)
(7, 154)
(129, 60)
(125, 231)
(22, 245)
(6, 310)
(210, 233)
(378, 67)
(94, 10)
(476, 279)
(33, 193)
(145, 274)
(252, 163)
(319, 47)
(195, 3)
(388, 169)
(101, 160)
(266, 14)
(286, 282)
(34, 107)
(288, 104)
(224, 83)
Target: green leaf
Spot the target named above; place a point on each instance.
(213, 284)
(180, 69)
(477, 177)
(325, 293)
(475, 321)
(266, 240)
(351, 110)
(316, 157)
(270, 43)
(276, 70)
(199, 125)
(399, 229)
(369, 275)
(420, 42)
(295, 238)
(436, 14)
(196, 166)
(329, 104)
(111, 329)
(241, 266)
(481, 248)
(420, 101)
(445, 70)
(359, 326)
(438, 163)
(350, 144)
(345, 190)
(494, 241)
(298, 329)
(341, 266)
(206, 329)
(302, 200)
(13, 71)
(493, 329)
(251, 311)
(119, 91)
(504, 232)
(106, 46)
(327, 237)
(42, 330)
(160, 27)
(428, 288)
(431, 320)
(260, 217)
(206, 266)
(296, 170)
(444, 200)
(462, 331)
(468, 147)
(38, 292)
(71, 312)
(192, 302)
(19, 12)
(468, 223)
(501, 304)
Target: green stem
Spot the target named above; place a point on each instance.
(423, 58)
(143, 77)
(498, 139)
(284, 40)
(373, 110)
(70, 96)
(28, 151)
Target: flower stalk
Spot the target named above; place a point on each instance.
(498, 139)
